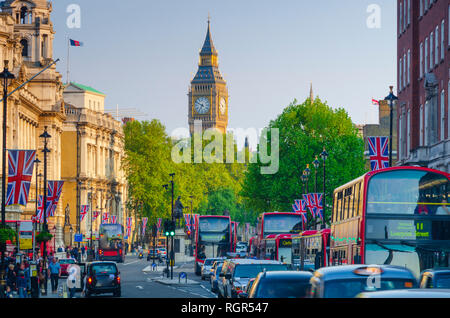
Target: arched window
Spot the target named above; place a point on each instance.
(24, 15)
(24, 43)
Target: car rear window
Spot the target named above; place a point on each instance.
(276, 288)
(252, 270)
(104, 268)
(443, 281)
(67, 261)
(352, 287)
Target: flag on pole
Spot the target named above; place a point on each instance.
(144, 225)
(54, 189)
(378, 152)
(318, 206)
(95, 214)
(40, 210)
(158, 224)
(375, 102)
(129, 221)
(105, 218)
(83, 212)
(300, 207)
(75, 43)
(113, 219)
(20, 171)
(187, 220)
(309, 200)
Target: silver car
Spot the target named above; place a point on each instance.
(206, 268)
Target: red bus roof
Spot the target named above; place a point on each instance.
(214, 216)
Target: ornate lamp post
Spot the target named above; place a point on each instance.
(316, 164)
(36, 161)
(7, 77)
(307, 172)
(324, 156)
(166, 186)
(390, 98)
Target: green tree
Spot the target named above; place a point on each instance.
(304, 130)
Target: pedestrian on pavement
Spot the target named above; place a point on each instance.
(23, 280)
(41, 275)
(11, 280)
(54, 270)
(83, 252)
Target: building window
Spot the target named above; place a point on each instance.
(426, 57)
(24, 43)
(409, 65)
(426, 115)
(421, 8)
(400, 74)
(405, 9)
(24, 15)
(400, 27)
(421, 126)
(408, 133)
(421, 61)
(436, 43)
(442, 115)
(442, 39)
(400, 137)
(409, 12)
(431, 50)
(404, 70)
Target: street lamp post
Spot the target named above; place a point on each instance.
(307, 172)
(324, 156)
(316, 164)
(78, 209)
(172, 258)
(91, 195)
(390, 98)
(7, 77)
(46, 136)
(71, 231)
(166, 186)
(36, 161)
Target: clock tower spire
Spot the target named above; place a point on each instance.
(208, 93)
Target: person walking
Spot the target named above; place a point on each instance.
(54, 270)
(83, 253)
(11, 280)
(41, 276)
(23, 280)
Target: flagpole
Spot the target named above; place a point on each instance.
(68, 59)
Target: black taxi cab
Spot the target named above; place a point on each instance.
(349, 280)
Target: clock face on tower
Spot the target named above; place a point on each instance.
(222, 106)
(202, 105)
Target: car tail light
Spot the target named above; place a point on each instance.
(120, 251)
(90, 280)
(118, 279)
(100, 252)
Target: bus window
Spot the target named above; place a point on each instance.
(353, 201)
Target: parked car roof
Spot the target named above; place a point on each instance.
(347, 271)
(407, 293)
(288, 275)
(247, 261)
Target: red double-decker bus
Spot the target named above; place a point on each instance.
(311, 249)
(274, 223)
(213, 238)
(278, 247)
(398, 216)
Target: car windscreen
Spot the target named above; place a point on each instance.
(209, 262)
(350, 288)
(104, 268)
(252, 270)
(443, 281)
(67, 261)
(282, 288)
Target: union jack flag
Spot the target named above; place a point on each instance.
(309, 203)
(144, 225)
(95, 214)
(84, 211)
(318, 206)
(105, 217)
(40, 210)
(158, 224)
(300, 207)
(20, 171)
(54, 189)
(129, 221)
(378, 152)
(113, 219)
(187, 220)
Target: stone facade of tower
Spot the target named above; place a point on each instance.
(26, 36)
(208, 93)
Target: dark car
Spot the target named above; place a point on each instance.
(408, 293)
(237, 272)
(347, 281)
(284, 284)
(152, 254)
(217, 268)
(101, 278)
(435, 278)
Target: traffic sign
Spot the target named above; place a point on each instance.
(78, 238)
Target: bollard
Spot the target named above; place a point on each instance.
(182, 275)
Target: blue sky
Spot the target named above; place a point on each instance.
(143, 53)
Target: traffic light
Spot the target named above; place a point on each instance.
(166, 227)
(172, 228)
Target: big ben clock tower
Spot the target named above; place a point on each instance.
(208, 94)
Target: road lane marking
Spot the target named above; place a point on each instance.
(130, 263)
(140, 287)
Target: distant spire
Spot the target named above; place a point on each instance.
(208, 46)
(311, 94)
